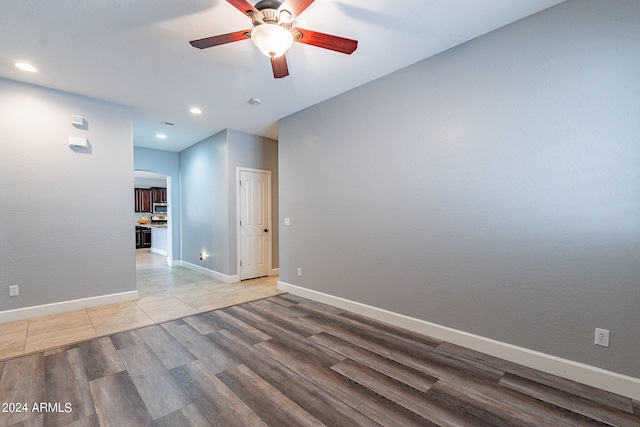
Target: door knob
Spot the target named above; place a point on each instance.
(266, 230)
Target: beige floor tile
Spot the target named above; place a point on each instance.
(204, 280)
(171, 282)
(111, 309)
(180, 287)
(58, 322)
(215, 287)
(240, 292)
(242, 298)
(112, 326)
(269, 280)
(12, 344)
(13, 327)
(238, 296)
(150, 290)
(191, 293)
(167, 309)
(122, 317)
(153, 297)
(148, 287)
(230, 290)
(205, 302)
(191, 275)
(217, 305)
(59, 337)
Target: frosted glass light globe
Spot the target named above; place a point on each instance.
(272, 40)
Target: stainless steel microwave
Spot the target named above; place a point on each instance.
(160, 208)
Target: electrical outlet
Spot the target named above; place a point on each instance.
(299, 272)
(14, 291)
(602, 337)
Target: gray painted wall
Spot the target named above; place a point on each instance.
(208, 181)
(65, 220)
(493, 188)
(166, 163)
(204, 198)
(255, 152)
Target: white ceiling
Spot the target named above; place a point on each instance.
(137, 53)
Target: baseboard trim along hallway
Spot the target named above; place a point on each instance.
(210, 273)
(64, 306)
(579, 372)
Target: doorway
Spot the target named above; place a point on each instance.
(254, 227)
(163, 244)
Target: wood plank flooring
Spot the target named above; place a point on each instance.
(288, 361)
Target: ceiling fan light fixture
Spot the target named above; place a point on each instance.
(273, 40)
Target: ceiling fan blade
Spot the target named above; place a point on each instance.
(220, 39)
(279, 66)
(326, 41)
(296, 7)
(243, 6)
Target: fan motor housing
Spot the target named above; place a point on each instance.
(268, 13)
(268, 4)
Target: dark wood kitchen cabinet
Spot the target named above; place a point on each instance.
(143, 237)
(159, 194)
(143, 197)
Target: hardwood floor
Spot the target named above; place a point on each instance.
(287, 361)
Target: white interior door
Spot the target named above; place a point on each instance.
(254, 242)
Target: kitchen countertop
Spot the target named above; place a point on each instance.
(149, 225)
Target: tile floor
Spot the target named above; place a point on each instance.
(165, 293)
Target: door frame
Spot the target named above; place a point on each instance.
(170, 211)
(240, 169)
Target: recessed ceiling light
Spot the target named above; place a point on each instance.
(161, 136)
(255, 101)
(195, 110)
(25, 67)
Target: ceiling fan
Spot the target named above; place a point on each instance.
(273, 32)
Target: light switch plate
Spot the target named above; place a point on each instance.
(287, 221)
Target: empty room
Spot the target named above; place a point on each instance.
(330, 212)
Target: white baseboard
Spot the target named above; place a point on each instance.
(210, 273)
(64, 306)
(579, 372)
(158, 251)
